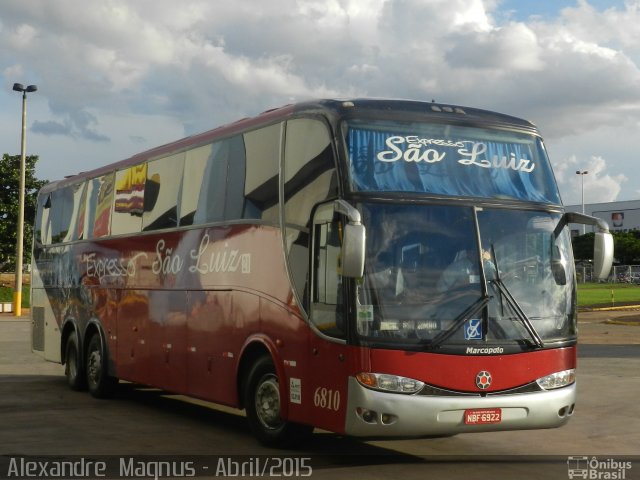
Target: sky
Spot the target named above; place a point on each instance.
(118, 77)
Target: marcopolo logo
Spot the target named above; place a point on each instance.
(483, 350)
(596, 469)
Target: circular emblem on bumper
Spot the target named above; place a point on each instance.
(483, 380)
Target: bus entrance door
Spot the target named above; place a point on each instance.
(329, 360)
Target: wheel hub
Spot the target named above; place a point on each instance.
(94, 366)
(268, 403)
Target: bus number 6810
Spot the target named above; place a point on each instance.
(326, 398)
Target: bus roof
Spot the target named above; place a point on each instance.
(399, 109)
(386, 108)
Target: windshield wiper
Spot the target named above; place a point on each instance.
(513, 303)
(474, 308)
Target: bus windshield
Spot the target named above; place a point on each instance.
(428, 280)
(451, 160)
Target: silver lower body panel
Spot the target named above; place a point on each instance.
(372, 413)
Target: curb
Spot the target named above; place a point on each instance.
(622, 322)
(10, 316)
(621, 308)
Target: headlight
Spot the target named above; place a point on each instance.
(558, 379)
(389, 383)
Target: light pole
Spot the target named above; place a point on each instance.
(582, 173)
(17, 292)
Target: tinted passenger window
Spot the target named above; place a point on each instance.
(129, 200)
(99, 202)
(61, 210)
(194, 183)
(261, 178)
(160, 204)
(43, 227)
(76, 218)
(220, 196)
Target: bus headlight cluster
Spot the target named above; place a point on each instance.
(389, 383)
(558, 379)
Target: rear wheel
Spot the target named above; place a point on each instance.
(100, 384)
(73, 368)
(262, 401)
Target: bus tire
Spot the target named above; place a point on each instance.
(73, 367)
(262, 403)
(99, 383)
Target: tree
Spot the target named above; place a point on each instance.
(9, 199)
(583, 246)
(626, 247)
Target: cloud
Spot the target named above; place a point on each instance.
(74, 126)
(203, 63)
(51, 128)
(123, 55)
(514, 47)
(599, 185)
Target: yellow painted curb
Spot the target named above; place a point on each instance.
(622, 308)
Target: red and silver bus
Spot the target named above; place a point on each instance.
(370, 267)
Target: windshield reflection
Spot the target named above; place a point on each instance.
(428, 281)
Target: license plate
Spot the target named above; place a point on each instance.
(482, 416)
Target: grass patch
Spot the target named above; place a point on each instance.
(6, 295)
(607, 294)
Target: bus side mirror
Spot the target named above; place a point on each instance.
(353, 245)
(602, 246)
(602, 255)
(353, 241)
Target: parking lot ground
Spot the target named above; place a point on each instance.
(39, 416)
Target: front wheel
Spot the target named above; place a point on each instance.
(100, 384)
(263, 403)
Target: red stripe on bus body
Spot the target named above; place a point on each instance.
(458, 372)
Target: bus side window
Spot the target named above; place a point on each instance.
(326, 310)
(43, 225)
(203, 186)
(213, 203)
(61, 212)
(77, 215)
(235, 163)
(162, 186)
(99, 203)
(129, 200)
(261, 179)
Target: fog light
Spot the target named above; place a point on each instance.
(367, 415)
(388, 419)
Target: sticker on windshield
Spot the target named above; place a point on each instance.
(473, 329)
(365, 319)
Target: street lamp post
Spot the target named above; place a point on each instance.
(582, 173)
(17, 293)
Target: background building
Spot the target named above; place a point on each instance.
(621, 216)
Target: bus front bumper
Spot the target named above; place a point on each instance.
(373, 413)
